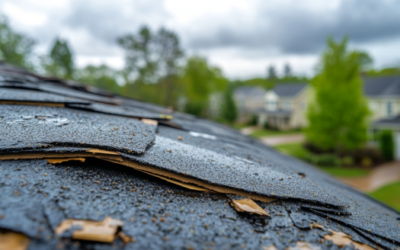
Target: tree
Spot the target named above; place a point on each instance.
(59, 62)
(228, 107)
(271, 73)
(337, 116)
(386, 144)
(100, 76)
(199, 80)
(287, 70)
(152, 59)
(15, 48)
(365, 60)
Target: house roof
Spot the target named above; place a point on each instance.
(382, 86)
(388, 122)
(173, 180)
(249, 91)
(289, 89)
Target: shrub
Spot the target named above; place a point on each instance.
(386, 145)
(253, 120)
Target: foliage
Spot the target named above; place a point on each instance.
(59, 62)
(338, 115)
(228, 108)
(199, 80)
(386, 145)
(152, 59)
(268, 133)
(15, 48)
(384, 72)
(100, 76)
(253, 120)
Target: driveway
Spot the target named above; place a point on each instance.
(380, 176)
(282, 139)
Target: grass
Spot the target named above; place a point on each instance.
(345, 172)
(240, 126)
(293, 149)
(389, 194)
(265, 133)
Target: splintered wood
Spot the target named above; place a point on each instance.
(249, 206)
(60, 160)
(101, 231)
(14, 241)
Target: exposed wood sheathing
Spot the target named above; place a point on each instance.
(47, 104)
(101, 231)
(13, 241)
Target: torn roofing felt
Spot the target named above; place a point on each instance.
(20, 95)
(32, 127)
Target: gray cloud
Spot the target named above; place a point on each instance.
(296, 29)
(106, 20)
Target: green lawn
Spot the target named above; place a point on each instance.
(265, 133)
(345, 172)
(389, 194)
(240, 126)
(293, 149)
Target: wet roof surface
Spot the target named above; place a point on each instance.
(37, 196)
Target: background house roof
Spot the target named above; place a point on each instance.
(382, 86)
(388, 122)
(289, 89)
(249, 91)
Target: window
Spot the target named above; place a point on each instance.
(389, 109)
(287, 105)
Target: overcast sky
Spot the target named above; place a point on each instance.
(243, 37)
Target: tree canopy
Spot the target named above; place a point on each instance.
(15, 48)
(338, 115)
(59, 62)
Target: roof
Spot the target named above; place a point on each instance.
(388, 122)
(382, 86)
(82, 168)
(249, 91)
(289, 89)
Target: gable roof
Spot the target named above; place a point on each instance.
(289, 89)
(382, 86)
(249, 91)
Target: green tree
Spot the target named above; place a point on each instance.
(60, 61)
(199, 80)
(228, 107)
(15, 48)
(151, 65)
(101, 76)
(287, 70)
(337, 116)
(386, 144)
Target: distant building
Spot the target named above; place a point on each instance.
(285, 106)
(383, 95)
(249, 100)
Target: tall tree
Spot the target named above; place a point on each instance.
(60, 61)
(200, 80)
(337, 117)
(271, 72)
(15, 48)
(152, 59)
(287, 70)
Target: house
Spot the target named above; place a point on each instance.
(383, 95)
(285, 106)
(249, 100)
(393, 124)
(81, 170)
